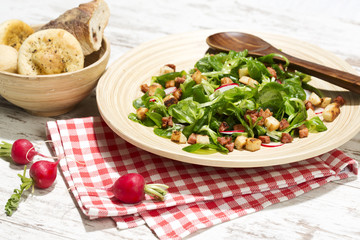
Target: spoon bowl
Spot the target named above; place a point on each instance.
(238, 41)
(257, 47)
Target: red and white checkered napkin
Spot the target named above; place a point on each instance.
(199, 196)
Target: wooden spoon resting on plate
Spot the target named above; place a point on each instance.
(257, 47)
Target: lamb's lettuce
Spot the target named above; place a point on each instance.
(186, 111)
(315, 125)
(162, 79)
(202, 107)
(257, 70)
(270, 58)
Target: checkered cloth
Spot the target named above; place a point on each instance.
(93, 157)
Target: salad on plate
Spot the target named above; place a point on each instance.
(230, 101)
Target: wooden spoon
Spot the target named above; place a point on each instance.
(257, 47)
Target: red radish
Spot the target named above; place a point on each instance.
(152, 100)
(272, 144)
(44, 173)
(170, 90)
(131, 188)
(226, 87)
(232, 131)
(22, 151)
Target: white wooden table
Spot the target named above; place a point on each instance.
(331, 212)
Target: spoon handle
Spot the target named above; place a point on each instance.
(340, 78)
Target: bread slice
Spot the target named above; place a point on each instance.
(50, 51)
(8, 59)
(86, 22)
(14, 32)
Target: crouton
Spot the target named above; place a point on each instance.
(253, 144)
(179, 80)
(225, 81)
(167, 69)
(178, 93)
(248, 81)
(325, 101)
(197, 77)
(243, 72)
(314, 99)
(272, 123)
(141, 113)
(170, 100)
(240, 142)
(170, 83)
(310, 114)
(202, 139)
(153, 88)
(331, 112)
(178, 137)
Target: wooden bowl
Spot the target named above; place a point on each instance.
(56, 94)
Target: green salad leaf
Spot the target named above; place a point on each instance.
(207, 105)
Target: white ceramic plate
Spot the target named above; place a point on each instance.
(120, 85)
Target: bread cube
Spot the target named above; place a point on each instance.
(331, 112)
(248, 81)
(314, 99)
(272, 123)
(141, 113)
(153, 88)
(202, 139)
(170, 100)
(243, 72)
(178, 137)
(178, 93)
(225, 81)
(253, 144)
(325, 101)
(197, 77)
(310, 114)
(170, 83)
(166, 69)
(240, 142)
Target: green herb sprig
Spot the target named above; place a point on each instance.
(14, 201)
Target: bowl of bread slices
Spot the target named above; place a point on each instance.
(47, 70)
